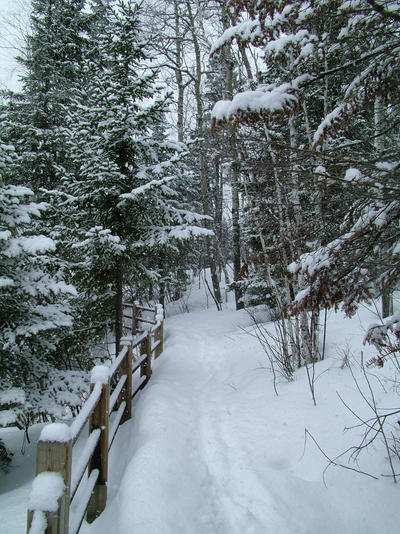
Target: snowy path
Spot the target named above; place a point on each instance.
(209, 451)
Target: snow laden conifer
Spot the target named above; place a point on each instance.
(339, 92)
(33, 301)
(52, 62)
(119, 194)
(360, 129)
(43, 377)
(327, 109)
(284, 202)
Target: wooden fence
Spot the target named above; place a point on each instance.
(58, 473)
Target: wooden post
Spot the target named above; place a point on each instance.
(145, 368)
(162, 337)
(126, 393)
(159, 336)
(143, 347)
(134, 320)
(99, 419)
(55, 456)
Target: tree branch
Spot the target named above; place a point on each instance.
(376, 6)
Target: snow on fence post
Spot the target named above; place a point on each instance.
(54, 456)
(160, 338)
(99, 419)
(159, 329)
(126, 393)
(145, 368)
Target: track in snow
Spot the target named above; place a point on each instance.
(211, 450)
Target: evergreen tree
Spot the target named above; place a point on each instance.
(324, 80)
(284, 200)
(119, 193)
(34, 307)
(362, 260)
(53, 63)
(38, 306)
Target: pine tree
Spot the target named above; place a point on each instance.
(53, 62)
(119, 192)
(284, 201)
(33, 126)
(357, 142)
(34, 299)
(335, 194)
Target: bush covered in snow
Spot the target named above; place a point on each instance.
(59, 395)
(5, 457)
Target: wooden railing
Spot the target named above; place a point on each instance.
(58, 473)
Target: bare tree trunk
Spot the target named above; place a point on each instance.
(119, 283)
(306, 336)
(234, 174)
(284, 223)
(236, 235)
(210, 247)
(387, 297)
(288, 333)
(246, 61)
(178, 72)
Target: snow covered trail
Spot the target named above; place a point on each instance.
(210, 450)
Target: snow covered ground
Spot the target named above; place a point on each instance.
(212, 450)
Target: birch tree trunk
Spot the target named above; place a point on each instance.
(307, 346)
(387, 297)
(119, 284)
(210, 246)
(178, 72)
(234, 173)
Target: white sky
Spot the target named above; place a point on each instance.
(13, 20)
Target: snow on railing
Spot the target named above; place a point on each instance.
(86, 411)
(83, 461)
(58, 479)
(47, 488)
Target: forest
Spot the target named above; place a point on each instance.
(254, 140)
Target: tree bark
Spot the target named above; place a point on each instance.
(210, 246)
(119, 282)
(234, 175)
(386, 297)
(236, 235)
(178, 72)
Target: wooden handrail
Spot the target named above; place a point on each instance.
(131, 305)
(148, 321)
(54, 449)
(133, 312)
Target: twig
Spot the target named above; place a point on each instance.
(333, 462)
(212, 294)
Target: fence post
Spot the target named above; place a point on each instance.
(134, 319)
(54, 453)
(99, 419)
(126, 393)
(159, 331)
(159, 336)
(145, 368)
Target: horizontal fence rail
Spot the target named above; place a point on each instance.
(58, 475)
